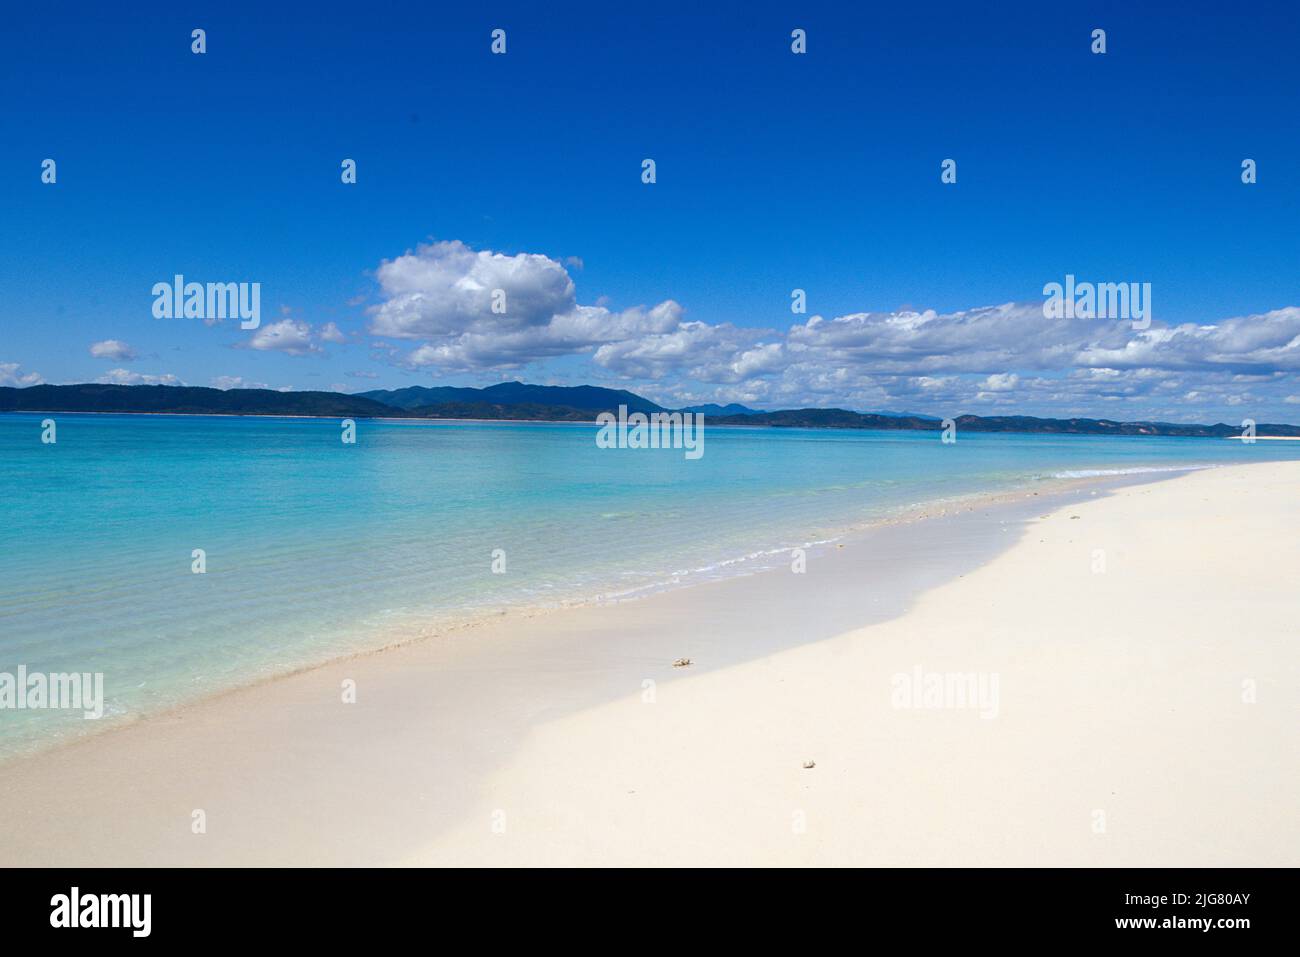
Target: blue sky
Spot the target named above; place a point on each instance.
(775, 171)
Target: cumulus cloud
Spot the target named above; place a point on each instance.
(446, 288)
(1007, 357)
(330, 332)
(114, 349)
(11, 374)
(486, 310)
(225, 382)
(986, 340)
(1258, 344)
(1001, 382)
(697, 350)
(127, 377)
(291, 336)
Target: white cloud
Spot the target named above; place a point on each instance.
(127, 377)
(11, 374)
(446, 288)
(943, 361)
(114, 349)
(1001, 382)
(1008, 356)
(721, 353)
(294, 337)
(236, 382)
(291, 336)
(1244, 344)
(445, 293)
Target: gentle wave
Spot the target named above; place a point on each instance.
(1101, 473)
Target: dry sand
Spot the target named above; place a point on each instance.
(1142, 642)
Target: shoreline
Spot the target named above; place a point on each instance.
(533, 742)
(1053, 487)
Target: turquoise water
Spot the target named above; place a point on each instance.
(315, 548)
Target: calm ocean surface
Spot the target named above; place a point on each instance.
(315, 548)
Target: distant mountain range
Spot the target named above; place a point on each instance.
(517, 400)
(843, 419)
(584, 397)
(185, 400)
(712, 409)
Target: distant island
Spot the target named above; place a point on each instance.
(542, 403)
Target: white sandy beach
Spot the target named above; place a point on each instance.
(1143, 641)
